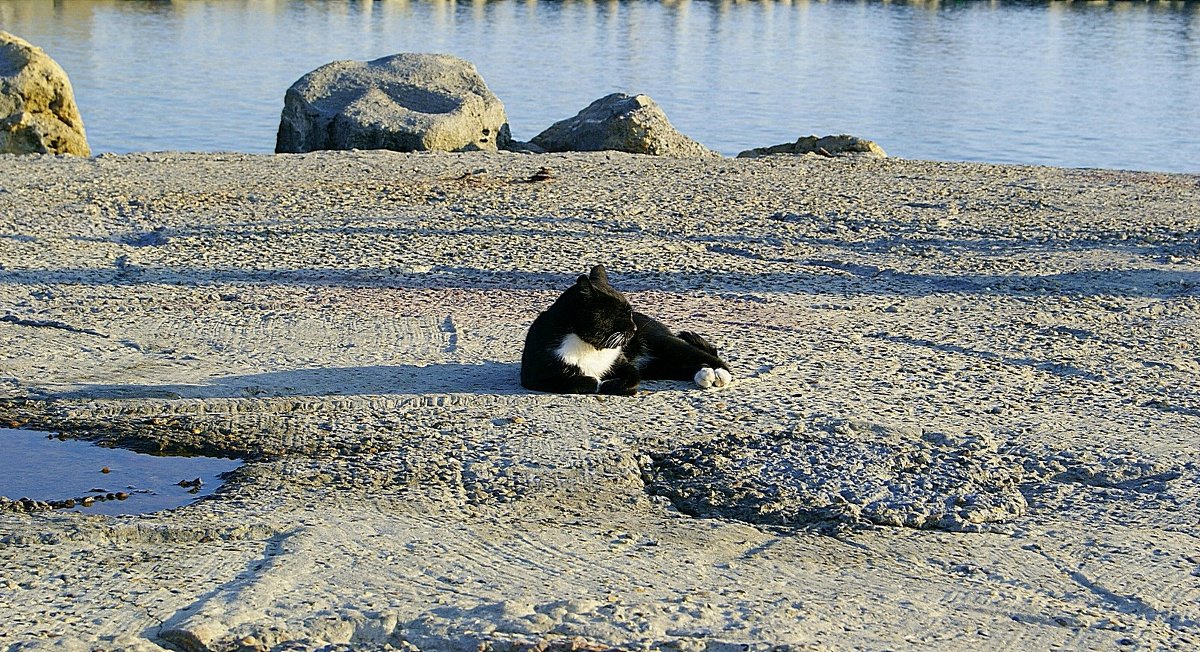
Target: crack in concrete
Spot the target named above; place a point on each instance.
(50, 323)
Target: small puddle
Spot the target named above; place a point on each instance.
(112, 480)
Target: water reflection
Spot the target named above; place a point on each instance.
(84, 477)
(1108, 84)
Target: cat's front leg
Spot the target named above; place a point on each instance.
(622, 379)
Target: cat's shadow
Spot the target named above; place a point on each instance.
(487, 377)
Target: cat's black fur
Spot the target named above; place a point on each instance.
(607, 328)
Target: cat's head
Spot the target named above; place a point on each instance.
(602, 315)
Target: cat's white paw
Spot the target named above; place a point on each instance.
(723, 378)
(709, 377)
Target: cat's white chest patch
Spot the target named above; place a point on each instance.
(590, 360)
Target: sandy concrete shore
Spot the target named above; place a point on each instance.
(965, 413)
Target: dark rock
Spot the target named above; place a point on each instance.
(825, 146)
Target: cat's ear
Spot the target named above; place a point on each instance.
(598, 275)
(584, 283)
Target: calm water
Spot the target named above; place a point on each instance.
(35, 466)
(1084, 84)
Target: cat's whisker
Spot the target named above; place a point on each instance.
(614, 341)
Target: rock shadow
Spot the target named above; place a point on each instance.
(488, 377)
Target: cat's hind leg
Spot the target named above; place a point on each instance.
(672, 357)
(699, 342)
(716, 376)
(712, 377)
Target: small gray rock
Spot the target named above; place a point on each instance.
(827, 145)
(625, 123)
(38, 114)
(404, 102)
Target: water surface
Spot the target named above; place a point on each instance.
(1082, 84)
(33, 465)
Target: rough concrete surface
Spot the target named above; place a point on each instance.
(964, 414)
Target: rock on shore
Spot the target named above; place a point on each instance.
(405, 102)
(964, 412)
(625, 123)
(825, 146)
(38, 114)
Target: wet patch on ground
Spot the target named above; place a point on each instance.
(39, 471)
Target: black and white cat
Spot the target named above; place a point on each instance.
(590, 341)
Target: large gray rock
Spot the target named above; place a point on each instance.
(405, 102)
(624, 123)
(826, 146)
(38, 114)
